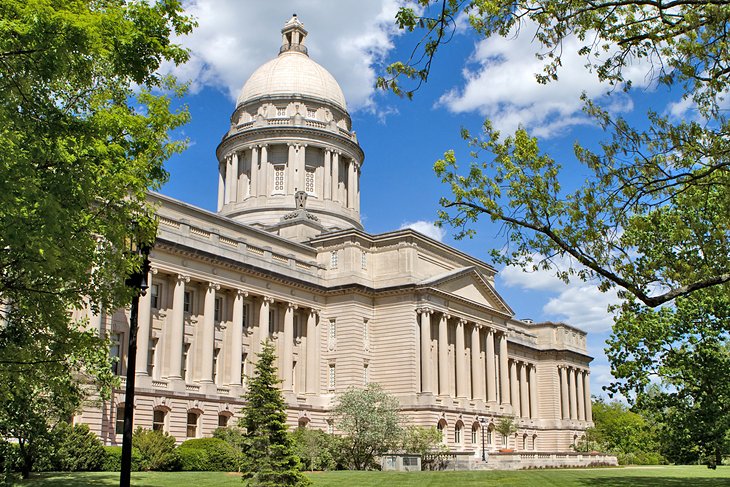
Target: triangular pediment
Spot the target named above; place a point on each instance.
(468, 284)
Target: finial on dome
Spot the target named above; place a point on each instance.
(292, 36)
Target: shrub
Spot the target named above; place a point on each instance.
(9, 462)
(113, 459)
(156, 450)
(77, 449)
(317, 450)
(208, 454)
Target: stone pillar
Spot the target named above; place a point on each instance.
(587, 395)
(262, 332)
(533, 393)
(514, 388)
(503, 370)
(336, 176)
(229, 179)
(292, 168)
(580, 395)
(327, 178)
(477, 372)
(254, 176)
(145, 323)
(234, 177)
(288, 347)
(302, 166)
(461, 377)
(426, 371)
(176, 329)
(312, 382)
(236, 339)
(208, 345)
(443, 348)
(524, 391)
(565, 403)
(264, 171)
(491, 372)
(358, 170)
(351, 184)
(573, 394)
(221, 184)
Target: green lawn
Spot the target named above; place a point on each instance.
(613, 477)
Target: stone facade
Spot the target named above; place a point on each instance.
(285, 258)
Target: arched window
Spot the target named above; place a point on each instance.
(458, 433)
(524, 441)
(303, 422)
(490, 435)
(159, 420)
(441, 426)
(475, 427)
(534, 442)
(223, 419)
(192, 424)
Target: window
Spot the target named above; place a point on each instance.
(279, 179)
(441, 427)
(297, 329)
(489, 436)
(119, 423)
(364, 260)
(330, 427)
(155, 296)
(192, 430)
(188, 302)
(185, 367)
(410, 461)
(151, 357)
(281, 111)
(309, 180)
(244, 357)
(216, 352)
(332, 378)
(244, 317)
(457, 434)
(365, 331)
(333, 260)
(474, 434)
(223, 420)
(272, 321)
(116, 353)
(366, 373)
(158, 420)
(218, 314)
(333, 330)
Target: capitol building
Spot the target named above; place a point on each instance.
(286, 258)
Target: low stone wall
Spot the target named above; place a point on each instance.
(516, 460)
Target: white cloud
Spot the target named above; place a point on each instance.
(427, 228)
(578, 303)
(349, 38)
(499, 83)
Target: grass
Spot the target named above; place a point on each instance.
(664, 476)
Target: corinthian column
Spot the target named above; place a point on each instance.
(491, 372)
(312, 385)
(503, 370)
(207, 347)
(176, 329)
(288, 347)
(477, 372)
(461, 377)
(444, 355)
(145, 321)
(426, 372)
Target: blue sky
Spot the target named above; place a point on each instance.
(471, 79)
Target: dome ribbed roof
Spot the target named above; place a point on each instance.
(292, 73)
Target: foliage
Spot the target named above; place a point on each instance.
(9, 462)
(506, 426)
(156, 450)
(676, 364)
(317, 450)
(82, 137)
(421, 440)
(208, 454)
(113, 459)
(269, 459)
(76, 449)
(370, 421)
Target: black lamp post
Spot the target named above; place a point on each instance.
(138, 282)
(482, 422)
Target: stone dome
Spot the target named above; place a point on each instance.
(293, 73)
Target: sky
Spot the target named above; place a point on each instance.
(472, 79)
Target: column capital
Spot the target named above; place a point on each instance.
(154, 271)
(242, 292)
(214, 286)
(315, 311)
(462, 322)
(445, 316)
(267, 299)
(183, 278)
(424, 310)
(292, 306)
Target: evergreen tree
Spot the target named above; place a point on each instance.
(269, 458)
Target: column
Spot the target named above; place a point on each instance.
(176, 329)
(533, 393)
(302, 166)
(573, 395)
(264, 171)
(292, 166)
(95, 321)
(336, 176)
(461, 377)
(563, 371)
(221, 184)
(443, 355)
(491, 372)
(587, 395)
(477, 373)
(207, 347)
(503, 370)
(312, 383)
(236, 339)
(288, 347)
(358, 169)
(144, 323)
(514, 388)
(229, 179)
(351, 183)
(234, 177)
(254, 176)
(327, 178)
(580, 395)
(524, 391)
(262, 332)
(426, 373)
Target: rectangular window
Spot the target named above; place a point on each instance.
(333, 330)
(410, 461)
(297, 330)
(116, 353)
(218, 309)
(155, 296)
(216, 352)
(365, 331)
(185, 358)
(244, 318)
(333, 260)
(151, 357)
(474, 435)
(223, 420)
(366, 373)
(119, 424)
(244, 358)
(309, 181)
(364, 260)
(279, 179)
(272, 321)
(332, 377)
(192, 429)
(188, 302)
(158, 420)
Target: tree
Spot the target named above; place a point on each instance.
(316, 449)
(506, 427)
(269, 459)
(422, 440)
(652, 218)
(370, 421)
(84, 132)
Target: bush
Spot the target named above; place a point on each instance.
(77, 449)
(9, 462)
(113, 459)
(208, 454)
(156, 450)
(317, 450)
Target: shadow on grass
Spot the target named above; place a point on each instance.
(641, 481)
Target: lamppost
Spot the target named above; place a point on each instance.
(482, 422)
(137, 281)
